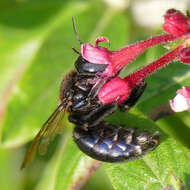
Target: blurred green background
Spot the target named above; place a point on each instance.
(36, 40)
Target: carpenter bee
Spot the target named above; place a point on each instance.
(94, 136)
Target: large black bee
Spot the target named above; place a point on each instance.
(94, 136)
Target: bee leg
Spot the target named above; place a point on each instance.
(94, 91)
(98, 115)
(93, 117)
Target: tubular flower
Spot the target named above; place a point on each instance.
(116, 60)
(181, 102)
(176, 24)
(110, 86)
(123, 87)
(113, 89)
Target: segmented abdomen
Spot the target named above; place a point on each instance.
(110, 143)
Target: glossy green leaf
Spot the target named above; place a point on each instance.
(8, 180)
(11, 177)
(157, 169)
(177, 126)
(24, 26)
(68, 168)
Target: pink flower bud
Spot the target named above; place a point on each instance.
(176, 23)
(181, 102)
(113, 89)
(184, 55)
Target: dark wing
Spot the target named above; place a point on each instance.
(49, 130)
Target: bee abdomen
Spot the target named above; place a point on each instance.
(110, 143)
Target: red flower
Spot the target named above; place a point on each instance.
(176, 23)
(184, 56)
(116, 88)
(116, 60)
(96, 54)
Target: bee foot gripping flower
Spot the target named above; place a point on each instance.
(181, 102)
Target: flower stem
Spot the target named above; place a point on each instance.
(125, 55)
(141, 74)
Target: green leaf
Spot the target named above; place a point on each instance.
(24, 26)
(177, 126)
(154, 170)
(68, 169)
(8, 179)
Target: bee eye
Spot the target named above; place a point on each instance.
(84, 66)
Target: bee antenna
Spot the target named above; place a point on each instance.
(75, 30)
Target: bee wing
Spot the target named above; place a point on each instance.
(49, 130)
(55, 127)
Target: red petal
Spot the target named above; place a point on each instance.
(97, 55)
